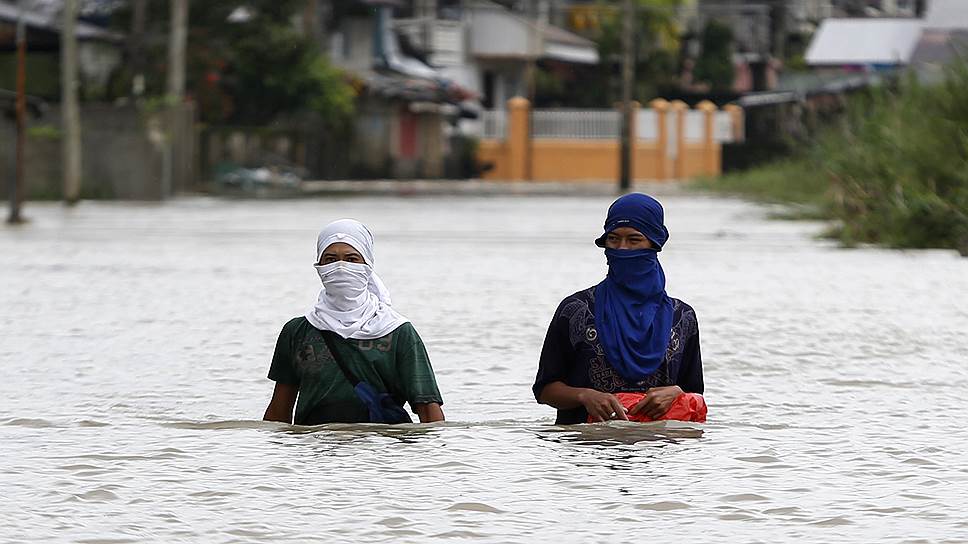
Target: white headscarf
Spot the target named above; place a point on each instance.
(354, 302)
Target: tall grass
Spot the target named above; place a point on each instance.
(894, 173)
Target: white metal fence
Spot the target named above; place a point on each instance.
(576, 124)
(723, 129)
(647, 125)
(569, 124)
(695, 126)
(494, 124)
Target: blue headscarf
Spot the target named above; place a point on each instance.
(633, 313)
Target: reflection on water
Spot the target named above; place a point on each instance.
(620, 432)
(134, 343)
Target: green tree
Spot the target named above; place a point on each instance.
(715, 64)
(656, 64)
(276, 71)
(248, 64)
(893, 171)
(656, 50)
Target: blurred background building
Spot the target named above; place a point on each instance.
(283, 90)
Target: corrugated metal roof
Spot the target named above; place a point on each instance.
(864, 41)
(46, 21)
(560, 35)
(556, 43)
(51, 9)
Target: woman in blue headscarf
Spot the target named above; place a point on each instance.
(624, 335)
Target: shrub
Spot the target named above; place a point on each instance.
(895, 172)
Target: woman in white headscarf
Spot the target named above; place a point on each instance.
(372, 341)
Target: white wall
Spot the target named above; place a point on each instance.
(497, 34)
(351, 46)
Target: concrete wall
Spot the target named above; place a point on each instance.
(692, 161)
(351, 45)
(371, 149)
(497, 34)
(647, 162)
(430, 145)
(573, 160)
(493, 154)
(518, 156)
(378, 146)
(600, 160)
(124, 153)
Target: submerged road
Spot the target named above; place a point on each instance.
(135, 340)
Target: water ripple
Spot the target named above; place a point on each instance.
(835, 405)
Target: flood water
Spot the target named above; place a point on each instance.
(135, 343)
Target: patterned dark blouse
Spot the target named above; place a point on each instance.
(572, 354)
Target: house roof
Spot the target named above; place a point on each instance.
(864, 41)
(49, 21)
(86, 8)
(560, 35)
(559, 44)
(947, 14)
(500, 33)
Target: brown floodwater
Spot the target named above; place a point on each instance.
(135, 341)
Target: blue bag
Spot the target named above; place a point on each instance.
(381, 406)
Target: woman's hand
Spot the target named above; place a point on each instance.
(601, 406)
(657, 401)
(429, 412)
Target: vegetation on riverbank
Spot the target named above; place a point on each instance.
(894, 173)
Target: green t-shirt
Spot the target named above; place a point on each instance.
(397, 364)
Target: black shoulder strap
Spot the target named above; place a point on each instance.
(331, 346)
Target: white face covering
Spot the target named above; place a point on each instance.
(344, 284)
(353, 303)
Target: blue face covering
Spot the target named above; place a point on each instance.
(633, 314)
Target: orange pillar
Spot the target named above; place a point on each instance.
(661, 108)
(519, 139)
(710, 160)
(679, 164)
(738, 122)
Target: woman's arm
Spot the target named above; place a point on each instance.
(599, 405)
(415, 381)
(282, 403)
(429, 412)
(556, 360)
(282, 371)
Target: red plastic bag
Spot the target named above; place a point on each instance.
(686, 407)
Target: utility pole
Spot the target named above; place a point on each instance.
(177, 41)
(535, 49)
(778, 17)
(535, 44)
(628, 76)
(17, 183)
(136, 50)
(70, 109)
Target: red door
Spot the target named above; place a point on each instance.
(408, 135)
